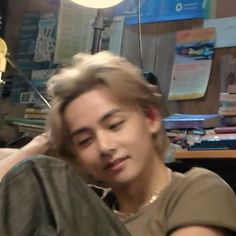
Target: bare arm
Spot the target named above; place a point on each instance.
(38, 145)
(199, 230)
(4, 152)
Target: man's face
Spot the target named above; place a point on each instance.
(112, 142)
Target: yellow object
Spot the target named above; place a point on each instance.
(3, 53)
(97, 3)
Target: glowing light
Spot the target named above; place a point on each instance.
(97, 3)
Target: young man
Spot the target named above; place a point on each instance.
(106, 119)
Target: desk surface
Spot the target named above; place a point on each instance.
(211, 154)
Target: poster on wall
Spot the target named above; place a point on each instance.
(192, 64)
(75, 32)
(43, 67)
(225, 31)
(159, 10)
(46, 39)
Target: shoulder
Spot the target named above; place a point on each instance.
(201, 197)
(202, 185)
(197, 173)
(200, 179)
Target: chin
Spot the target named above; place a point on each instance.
(121, 180)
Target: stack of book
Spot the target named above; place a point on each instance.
(191, 121)
(36, 113)
(32, 127)
(227, 107)
(34, 119)
(186, 129)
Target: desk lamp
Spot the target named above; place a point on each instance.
(99, 23)
(4, 58)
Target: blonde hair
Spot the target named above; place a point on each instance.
(87, 72)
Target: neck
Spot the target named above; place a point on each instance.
(138, 193)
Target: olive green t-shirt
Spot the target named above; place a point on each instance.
(198, 197)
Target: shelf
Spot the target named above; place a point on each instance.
(210, 154)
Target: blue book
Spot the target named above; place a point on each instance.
(191, 121)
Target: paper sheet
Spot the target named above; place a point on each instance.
(74, 31)
(192, 64)
(225, 31)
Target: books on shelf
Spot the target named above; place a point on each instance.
(227, 111)
(36, 110)
(29, 128)
(227, 97)
(35, 116)
(12, 120)
(25, 125)
(33, 127)
(231, 88)
(225, 129)
(191, 121)
(228, 120)
(218, 137)
(227, 104)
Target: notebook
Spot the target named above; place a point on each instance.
(191, 121)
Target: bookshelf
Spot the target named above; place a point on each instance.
(27, 127)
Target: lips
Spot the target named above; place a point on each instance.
(116, 164)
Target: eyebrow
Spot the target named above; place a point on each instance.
(103, 118)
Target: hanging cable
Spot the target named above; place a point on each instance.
(155, 55)
(35, 89)
(140, 34)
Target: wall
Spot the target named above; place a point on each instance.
(225, 8)
(16, 9)
(158, 48)
(158, 51)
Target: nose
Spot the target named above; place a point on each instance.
(106, 143)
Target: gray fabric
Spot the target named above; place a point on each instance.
(44, 196)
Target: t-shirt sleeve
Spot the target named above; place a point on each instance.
(205, 199)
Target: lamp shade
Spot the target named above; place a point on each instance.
(97, 3)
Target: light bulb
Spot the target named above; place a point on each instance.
(97, 3)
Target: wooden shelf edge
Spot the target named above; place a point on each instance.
(211, 154)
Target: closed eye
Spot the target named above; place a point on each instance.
(85, 142)
(116, 125)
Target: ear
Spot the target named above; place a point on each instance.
(154, 120)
